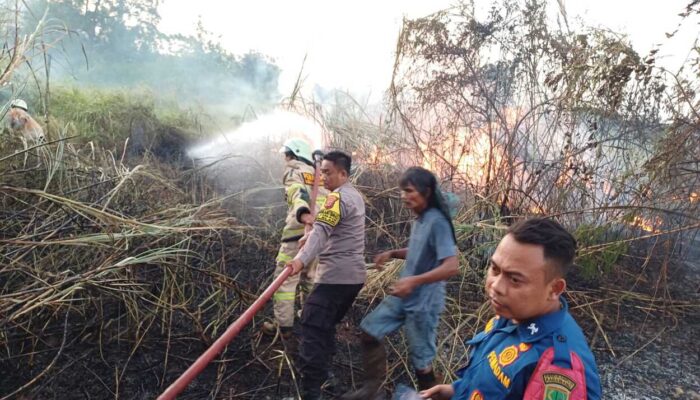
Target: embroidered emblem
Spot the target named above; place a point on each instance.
(308, 178)
(523, 347)
(507, 356)
(557, 386)
(331, 199)
(533, 328)
(497, 371)
(476, 395)
(330, 214)
(490, 324)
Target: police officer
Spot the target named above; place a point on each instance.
(298, 180)
(338, 238)
(532, 348)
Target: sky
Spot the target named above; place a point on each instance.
(350, 45)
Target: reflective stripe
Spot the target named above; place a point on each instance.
(292, 232)
(281, 257)
(299, 203)
(284, 296)
(292, 191)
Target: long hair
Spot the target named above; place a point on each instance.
(426, 184)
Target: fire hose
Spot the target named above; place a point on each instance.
(198, 366)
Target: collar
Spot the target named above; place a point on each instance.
(295, 164)
(535, 329)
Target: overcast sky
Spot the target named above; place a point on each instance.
(350, 44)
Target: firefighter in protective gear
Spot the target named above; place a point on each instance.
(19, 103)
(298, 181)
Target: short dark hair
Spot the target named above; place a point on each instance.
(339, 159)
(559, 245)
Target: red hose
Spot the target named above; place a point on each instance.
(181, 383)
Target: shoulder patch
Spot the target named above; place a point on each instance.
(476, 395)
(330, 213)
(557, 386)
(308, 178)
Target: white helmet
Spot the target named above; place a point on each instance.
(19, 103)
(299, 147)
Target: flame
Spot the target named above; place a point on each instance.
(472, 154)
(694, 197)
(647, 225)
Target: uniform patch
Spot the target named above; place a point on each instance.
(309, 178)
(497, 371)
(507, 356)
(523, 347)
(557, 386)
(489, 325)
(476, 395)
(331, 200)
(330, 214)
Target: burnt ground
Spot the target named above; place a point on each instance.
(651, 352)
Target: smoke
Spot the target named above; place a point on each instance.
(249, 156)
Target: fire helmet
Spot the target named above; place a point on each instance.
(19, 103)
(299, 147)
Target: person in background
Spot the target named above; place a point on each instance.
(298, 180)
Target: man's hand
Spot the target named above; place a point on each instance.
(296, 265)
(381, 258)
(307, 219)
(403, 287)
(438, 392)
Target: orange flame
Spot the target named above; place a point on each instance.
(474, 156)
(646, 225)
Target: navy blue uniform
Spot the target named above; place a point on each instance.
(504, 355)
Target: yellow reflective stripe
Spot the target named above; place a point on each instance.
(281, 257)
(292, 232)
(284, 296)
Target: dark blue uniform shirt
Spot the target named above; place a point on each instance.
(504, 355)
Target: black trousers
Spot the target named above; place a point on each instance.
(325, 307)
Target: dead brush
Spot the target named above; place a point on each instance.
(100, 255)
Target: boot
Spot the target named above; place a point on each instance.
(426, 380)
(269, 328)
(374, 364)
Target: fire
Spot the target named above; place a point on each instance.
(378, 156)
(694, 197)
(646, 225)
(472, 154)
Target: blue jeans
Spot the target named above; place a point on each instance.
(420, 328)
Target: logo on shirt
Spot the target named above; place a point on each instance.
(557, 386)
(476, 395)
(497, 371)
(330, 214)
(507, 356)
(489, 325)
(533, 328)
